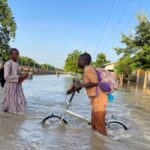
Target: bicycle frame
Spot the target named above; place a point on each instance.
(67, 111)
(77, 116)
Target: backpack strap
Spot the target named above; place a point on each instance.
(98, 75)
(98, 81)
(10, 71)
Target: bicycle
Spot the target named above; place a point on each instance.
(61, 118)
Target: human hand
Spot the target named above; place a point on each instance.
(71, 90)
(22, 77)
(26, 75)
(78, 86)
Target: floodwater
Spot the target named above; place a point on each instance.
(46, 94)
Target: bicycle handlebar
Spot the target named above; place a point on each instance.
(73, 91)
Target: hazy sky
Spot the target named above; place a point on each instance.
(50, 29)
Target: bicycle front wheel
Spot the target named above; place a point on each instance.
(53, 119)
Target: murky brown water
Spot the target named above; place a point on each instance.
(46, 94)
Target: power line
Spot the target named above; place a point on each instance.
(117, 23)
(130, 19)
(140, 4)
(106, 24)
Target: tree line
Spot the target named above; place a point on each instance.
(29, 62)
(72, 59)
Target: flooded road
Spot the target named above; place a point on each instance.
(46, 94)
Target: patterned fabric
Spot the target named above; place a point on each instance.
(106, 80)
(14, 100)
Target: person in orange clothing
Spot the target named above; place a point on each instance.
(98, 98)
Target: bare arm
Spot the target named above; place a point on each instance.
(86, 85)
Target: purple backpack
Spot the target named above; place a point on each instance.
(106, 80)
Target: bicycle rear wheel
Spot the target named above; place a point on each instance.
(53, 119)
(116, 125)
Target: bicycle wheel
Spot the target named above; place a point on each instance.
(116, 125)
(53, 119)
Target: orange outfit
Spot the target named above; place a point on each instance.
(98, 102)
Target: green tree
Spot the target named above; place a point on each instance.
(124, 67)
(142, 58)
(142, 43)
(48, 67)
(142, 61)
(26, 61)
(29, 62)
(7, 28)
(4, 56)
(137, 45)
(4, 45)
(101, 60)
(71, 62)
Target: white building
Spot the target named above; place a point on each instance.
(109, 66)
